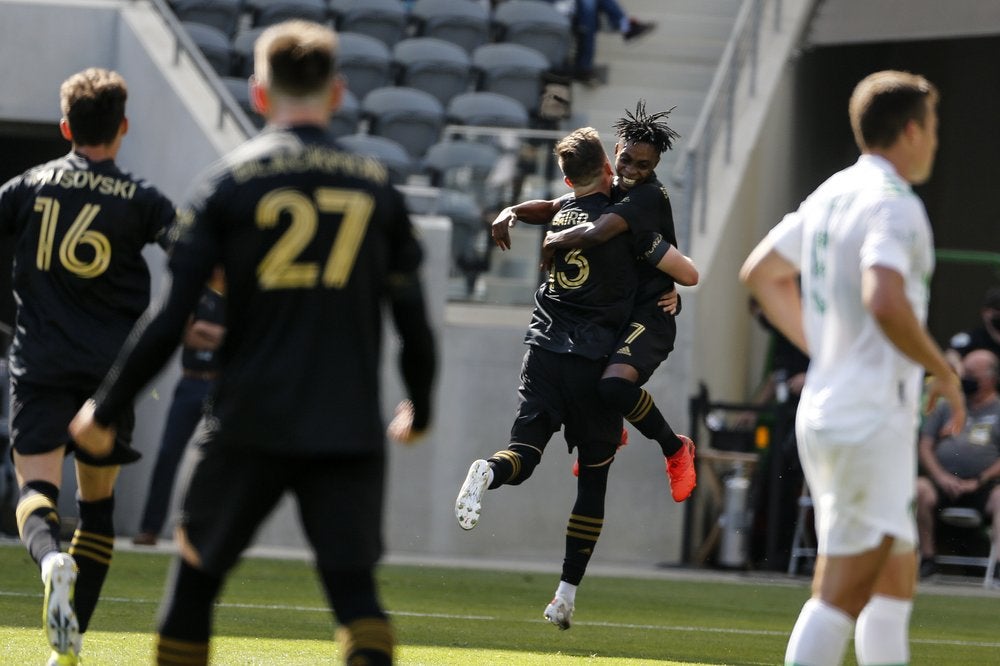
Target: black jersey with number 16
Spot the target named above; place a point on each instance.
(80, 280)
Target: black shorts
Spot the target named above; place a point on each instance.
(40, 416)
(646, 341)
(560, 390)
(233, 489)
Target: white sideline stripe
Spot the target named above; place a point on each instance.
(489, 618)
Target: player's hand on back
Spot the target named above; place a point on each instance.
(401, 427)
(89, 435)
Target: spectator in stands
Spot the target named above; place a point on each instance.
(986, 336)
(587, 22)
(199, 368)
(961, 470)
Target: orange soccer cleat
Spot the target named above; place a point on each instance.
(680, 470)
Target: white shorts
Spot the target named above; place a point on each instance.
(862, 491)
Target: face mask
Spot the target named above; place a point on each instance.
(969, 385)
(995, 322)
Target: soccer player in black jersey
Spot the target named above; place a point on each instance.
(80, 283)
(642, 207)
(578, 316)
(313, 241)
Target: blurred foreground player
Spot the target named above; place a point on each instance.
(80, 283)
(312, 240)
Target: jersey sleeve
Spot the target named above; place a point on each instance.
(640, 209)
(892, 228)
(8, 205)
(786, 237)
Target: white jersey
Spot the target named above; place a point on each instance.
(863, 216)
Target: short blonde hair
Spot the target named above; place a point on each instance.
(296, 58)
(581, 156)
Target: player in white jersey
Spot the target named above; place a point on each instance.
(845, 278)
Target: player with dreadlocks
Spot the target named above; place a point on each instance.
(642, 207)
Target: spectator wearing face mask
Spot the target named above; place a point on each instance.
(961, 470)
(986, 336)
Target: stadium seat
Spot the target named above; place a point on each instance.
(242, 46)
(433, 65)
(512, 70)
(464, 165)
(409, 116)
(214, 46)
(239, 88)
(388, 152)
(345, 120)
(536, 24)
(458, 21)
(365, 62)
(385, 20)
(487, 109)
(269, 12)
(221, 14)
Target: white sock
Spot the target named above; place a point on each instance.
(819, 637)
(882, 633)
(46, 563)
(567, 591)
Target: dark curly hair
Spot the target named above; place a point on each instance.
(639, 127)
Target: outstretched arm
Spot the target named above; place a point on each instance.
(679, 267)
(536, 211)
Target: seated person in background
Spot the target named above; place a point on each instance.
(587, 23)
(961, 470)
(986, 336)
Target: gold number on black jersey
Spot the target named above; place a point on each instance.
(280, 268)
(78, 234)
(574, 258)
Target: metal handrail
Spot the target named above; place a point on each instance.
(183, 43)
(690, 172)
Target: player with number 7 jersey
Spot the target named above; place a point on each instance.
(80, 280)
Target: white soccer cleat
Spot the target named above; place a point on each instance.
(469, 502)
(560, 613)
(58, 614)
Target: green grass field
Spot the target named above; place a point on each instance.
(273, 612)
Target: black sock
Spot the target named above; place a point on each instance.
(638, 408)
(38, 519)
(513, 465)
(92, 547)
(186, 618)
(585, 523)
(365, 634)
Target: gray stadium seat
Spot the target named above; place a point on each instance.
(365, 61)
(345, 120)
(461, 164)
(487, 109)
(221, 14)
(243, 51)
(458, 21)
(214, 46)
(536, 24)
(388, 152)
(433, 65)
(269, 12)
(409, 116)
(384, 20)
(512, 70)
(239, 88)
